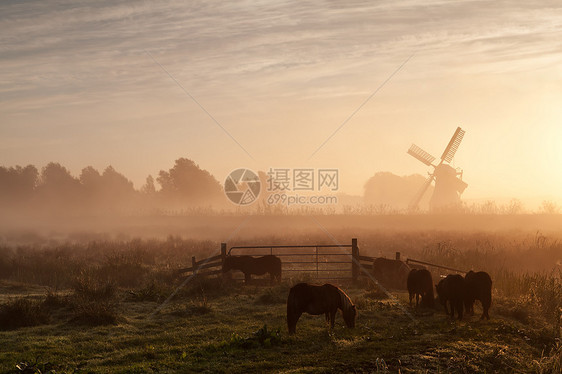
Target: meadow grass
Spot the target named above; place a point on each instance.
(88, 307)
(220, 333)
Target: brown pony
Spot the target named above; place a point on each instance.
(391, 273)
(478, 287)
(254, 265)
(420, 284)
(315, 300)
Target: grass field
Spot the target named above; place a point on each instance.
(207, 328)
(99, 306)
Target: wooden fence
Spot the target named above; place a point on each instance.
(321, 261)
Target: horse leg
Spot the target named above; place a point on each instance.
(470, 307)
(417, 299)
(460, 309)
(247, 278)
(485, 308)
(333, 318)
(292, 319)
(445, 306)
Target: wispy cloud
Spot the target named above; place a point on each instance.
(68, 47)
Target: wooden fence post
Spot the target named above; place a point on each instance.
(398, 256)
(354, 260)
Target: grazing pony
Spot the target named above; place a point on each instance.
(391, 273)
(478, 287)
(254, 265)
(452, 289)
(420, 284)
(315, 300)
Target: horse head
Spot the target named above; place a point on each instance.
(349, 313)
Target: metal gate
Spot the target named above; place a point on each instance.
(334, 262)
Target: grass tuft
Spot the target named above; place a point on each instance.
(22, 312)
(94, 302)
(273, 295)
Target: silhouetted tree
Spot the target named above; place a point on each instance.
(149, 188)
(186, 183)
(58, 190)
(90, 178)
(17, 185)
(91, 181)
(116, 184)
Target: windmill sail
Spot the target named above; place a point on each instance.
(421, 155)
(415, 202)
(453, 145)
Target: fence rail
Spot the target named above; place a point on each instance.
(323, 261)
(435, 265)
(314, 260)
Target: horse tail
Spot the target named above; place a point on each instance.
(291, 311)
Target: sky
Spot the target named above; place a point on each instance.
(287, 84)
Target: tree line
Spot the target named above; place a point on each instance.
(53, 189)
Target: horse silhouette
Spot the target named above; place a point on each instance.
(391, 273)
(478, 287)
(254, 266)
(420, 284)
(316, 300)
(452, 290)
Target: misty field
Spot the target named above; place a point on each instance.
(100, 303)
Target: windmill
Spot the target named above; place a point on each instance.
(448, 181)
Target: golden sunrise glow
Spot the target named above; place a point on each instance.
(281, 82)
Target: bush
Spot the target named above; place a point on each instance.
(517, 309)
(375, 293)
(205, 285)
(54, 301)
(92, 289)
(123, 269)
(93, 302)
(274, 295)
(94, 313)
(22, 312)
(194, 308)
(152, 291)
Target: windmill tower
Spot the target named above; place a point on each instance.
(448, 181)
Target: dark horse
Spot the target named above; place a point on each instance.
(478, 287)
(391, 273)
(452, 289)
(254, 265)
(420, 284)
(326, 299)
